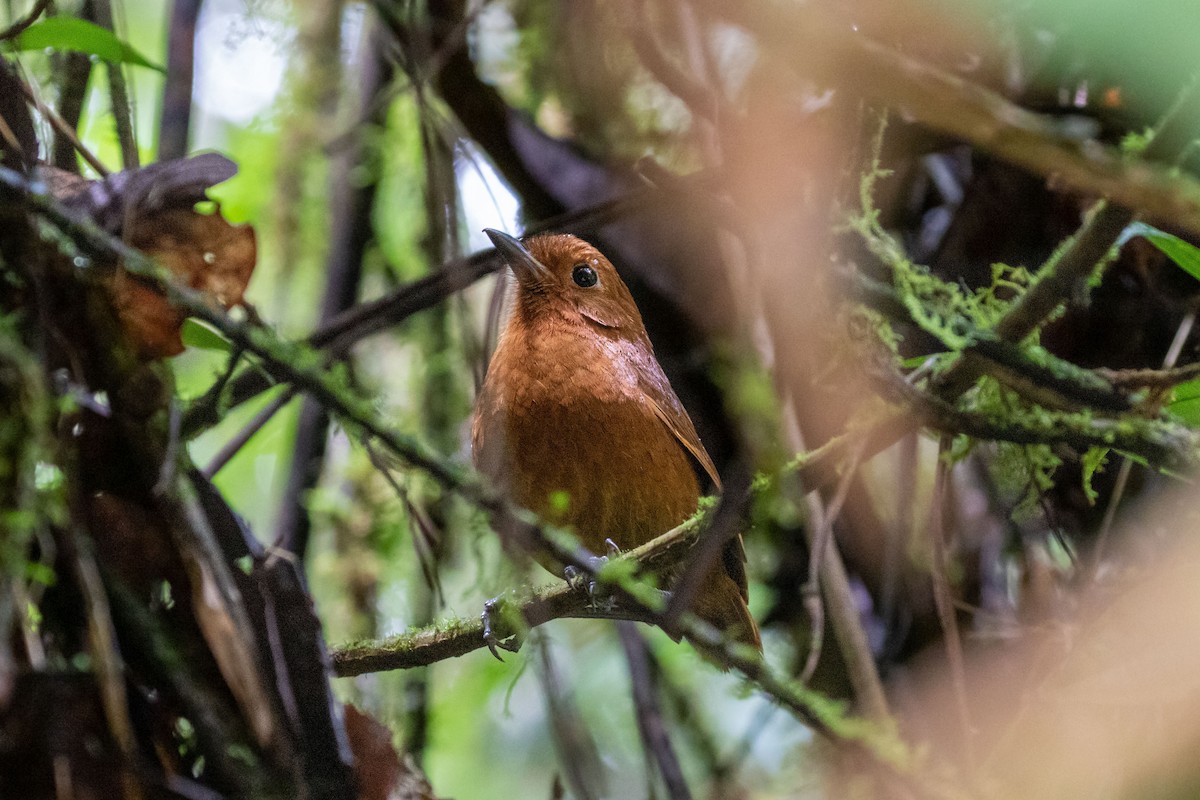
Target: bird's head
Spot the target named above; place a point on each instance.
(560, 274)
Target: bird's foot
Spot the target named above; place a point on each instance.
(581, 581)
(577, 579)
(491, 612)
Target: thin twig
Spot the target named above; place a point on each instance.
(491, 328)
(818, 546)
(943, 598)
(898, 534)
(1126, 468)
(419, 75)
(210, 402)
(122, 111)
(15, 30)
(170, 461)
(705, 557)
(426, 556)
(844, 616)
(236, 443)
(577, 752)
(754, 729)
(695, 726)
(65, 130)
(110, 669)
(655, 739)
(871, 700)
(11, 142)
(1159, 379)
(1160, 442)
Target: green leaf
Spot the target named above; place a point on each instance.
(1185, 403)
(917, 361)
(1186, 255)
(1093, 462)
(1141, 461)
(197, 334)
(81, 36)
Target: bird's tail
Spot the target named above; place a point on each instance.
(722, 605)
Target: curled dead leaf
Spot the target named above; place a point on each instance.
(154, 209)
(382, 773)
(234, 655)
(203, 251)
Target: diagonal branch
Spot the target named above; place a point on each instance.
(15, 30)
(643, 677)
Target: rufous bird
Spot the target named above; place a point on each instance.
(577, 422)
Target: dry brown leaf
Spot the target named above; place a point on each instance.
(381, 772)
(133, 541)
(152, 324)
(153, 208)
(234, 655)
(62, 184)
(202, 251)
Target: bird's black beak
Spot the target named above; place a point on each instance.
(529, 271)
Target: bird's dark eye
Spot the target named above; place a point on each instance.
(584, 276)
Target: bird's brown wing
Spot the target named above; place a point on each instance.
(669, 410)
(658, 393)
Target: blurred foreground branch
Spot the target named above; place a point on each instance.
(948, 103)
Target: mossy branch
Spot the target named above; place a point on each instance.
(535, 607)
(1071, 403)
(1154, 379)
(1160, 444)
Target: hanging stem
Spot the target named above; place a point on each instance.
(943, 598)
